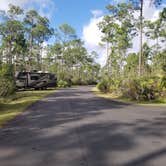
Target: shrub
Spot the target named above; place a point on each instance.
(114, 85)
(103, 86)
(62, 84)
(76, 81)
(163, 86)
(7, 84)
(141, 88)
(163, 82)
(131, 89)
(79, 81)
(91, 82)
(6, 87)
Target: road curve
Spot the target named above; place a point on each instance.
(73, 127)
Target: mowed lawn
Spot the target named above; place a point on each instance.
(12, 106)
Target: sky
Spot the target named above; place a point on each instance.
(82, 15)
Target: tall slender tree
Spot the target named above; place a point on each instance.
(139, 5)
(10, 30)
(30, 22)
(118, 30)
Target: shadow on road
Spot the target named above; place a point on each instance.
(73, 127)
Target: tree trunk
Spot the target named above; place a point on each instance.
(109, 61)
(141, 32)
(30, 53)
(10, 58)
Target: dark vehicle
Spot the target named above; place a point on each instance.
(35, 80)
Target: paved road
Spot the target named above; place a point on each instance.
(75, 128)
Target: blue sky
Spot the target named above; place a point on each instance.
(75, 12)
(82, 15)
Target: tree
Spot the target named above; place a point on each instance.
(131, 66)
(156, 31)
(38, 30)
(163, 24)
(139, 5)
(69, 58)
(30, 22)
(11, 30)
(141, 33)
(65, 33)
(42, 32)
(118, 29)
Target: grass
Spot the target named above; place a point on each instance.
(117, 97)
(12, 106)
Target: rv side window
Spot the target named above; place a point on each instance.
(34, 77)
(51, 76)
(22, 78)
(21, 75)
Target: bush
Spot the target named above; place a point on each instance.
(148, 89)
(141, 88)
(62, 84)
(91, 82)
(78, 81)
(131, 89)
(103, 86)
(6, 87)
(163, 86)
(7, 84)
(114, 85)
(163, 82)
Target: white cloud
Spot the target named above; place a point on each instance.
(91, 32)
(5, 3)
(44, 7)
(150, 12)
(97, 13)
(92, 35)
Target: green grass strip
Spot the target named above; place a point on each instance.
(12, 106)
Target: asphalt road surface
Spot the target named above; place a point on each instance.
(73, 127)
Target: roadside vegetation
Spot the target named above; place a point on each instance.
(22, 48)
(13, 105)
(137, 76)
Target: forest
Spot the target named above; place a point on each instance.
(23, 38)
(136, 75)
